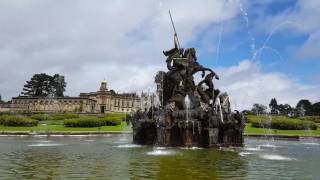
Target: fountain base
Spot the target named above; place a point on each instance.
(168, 130)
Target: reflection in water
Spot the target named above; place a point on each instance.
(34, 163)
(202, 164)
(115, 158)
(188, 164)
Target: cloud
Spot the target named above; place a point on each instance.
(311, 47)
(302, 18)
(89, 40)
(246, 84)
(123, 40)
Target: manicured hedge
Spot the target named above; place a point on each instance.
(315, 119)
(284, 124)
(114, 119)
(43, 117)
(12, 120)
(5, 113)
(92, 121)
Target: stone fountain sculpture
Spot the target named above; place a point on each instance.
(189, 114)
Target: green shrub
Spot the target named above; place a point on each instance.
(111, 120)
(92, 121)
(315, 119)
(44, 117)
(12, 120)
(41, 117)
(5, 113)
(82, 122)
(64, 116)
(284, 124)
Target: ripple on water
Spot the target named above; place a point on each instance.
(252, 148)
(245, 153)
(44, 144)
(129, 146)
(269, 146)
(160, 148)
(158, 152)
(275, 157)
(191, 148)
(44, 141)
(89, 140)
(311, 143)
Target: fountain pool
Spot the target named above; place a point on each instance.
(114, 157)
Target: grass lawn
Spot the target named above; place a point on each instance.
(252, 130)
(56, 126)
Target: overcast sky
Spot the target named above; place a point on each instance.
(260, 48)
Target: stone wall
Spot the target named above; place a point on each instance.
(67, 104)
(101, 101)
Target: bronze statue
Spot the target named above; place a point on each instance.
(189, 115)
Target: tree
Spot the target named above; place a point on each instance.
(316, 109)
(59, 85)
(1, 101)
(273, 106)
(259, 109)
(43, 85)
(304, 106)
(285, 110)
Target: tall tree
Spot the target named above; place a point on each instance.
(43, 85)
(285, 110)
(259, 109)
(304, 106)
(1, 99)
(316, 109)
(59, 85)
(273, 106)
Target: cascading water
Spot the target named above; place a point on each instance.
(268, 126)
(220, 109)
(187, 104)
(217, 104)
(160, 124)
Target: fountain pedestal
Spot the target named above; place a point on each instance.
(194, 132)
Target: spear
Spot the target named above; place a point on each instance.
(174, 29)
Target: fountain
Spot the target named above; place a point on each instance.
(188, 114)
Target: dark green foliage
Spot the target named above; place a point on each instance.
(315, 119)
(273, 106)
(43, 117)
(43, 85)
(258, 109)
(94, 121)
(5, 113)
(316, 109)
(285, 109)
(59, 85)
(12, 120)
(304, 106)
(283, 124)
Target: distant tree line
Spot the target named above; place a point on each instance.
(1, 101)
(44, 85)
(303, 108)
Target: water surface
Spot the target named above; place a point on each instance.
(114, 157)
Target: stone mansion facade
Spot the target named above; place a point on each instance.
(101, 101)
